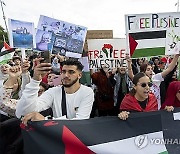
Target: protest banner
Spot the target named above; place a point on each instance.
(173, 41)
(97, 34)
(67, 38)
(85, 62)
(44, 40)
(21, 34)
(145, 132)
(146, 33)
(110, 52)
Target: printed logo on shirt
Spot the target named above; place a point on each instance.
(76, 109)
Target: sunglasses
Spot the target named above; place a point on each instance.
(145, 84)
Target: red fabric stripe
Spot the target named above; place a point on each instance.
(72, 144)
(50, 123)
(133, 44)
(7, 47)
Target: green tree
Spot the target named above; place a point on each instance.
(2, 32)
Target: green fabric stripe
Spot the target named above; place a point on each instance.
(165, 152)
(146, 52)
(4, 62)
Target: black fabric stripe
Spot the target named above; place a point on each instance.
(108, 129)
(149, 35)
(43, 140)
(171, 130)
(6, 52)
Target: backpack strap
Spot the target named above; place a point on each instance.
(63, 103)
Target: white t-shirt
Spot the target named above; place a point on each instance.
(78, 104)
(156, 80)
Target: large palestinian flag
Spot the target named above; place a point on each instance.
(141, 133)
(146, 33)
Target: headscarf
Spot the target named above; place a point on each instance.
(171, 99)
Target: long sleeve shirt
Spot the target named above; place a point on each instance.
(7, 104)
(78, 104)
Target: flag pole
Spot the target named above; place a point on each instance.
(4, 38)
(4, 17)
(178, 6)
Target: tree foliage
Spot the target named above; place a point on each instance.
(3, 32)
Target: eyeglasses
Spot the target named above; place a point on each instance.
(145, 84)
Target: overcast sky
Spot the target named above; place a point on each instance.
(93, 14)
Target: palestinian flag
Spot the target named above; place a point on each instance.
(6, 53)
(104, 135)
(149, 43)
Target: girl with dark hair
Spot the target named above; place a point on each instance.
(155, 78)
(139, 99)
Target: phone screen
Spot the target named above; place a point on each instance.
(46, 56)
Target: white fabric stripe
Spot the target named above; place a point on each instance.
(128, 146)
(6, 56)
(3, 49)
(151, 43)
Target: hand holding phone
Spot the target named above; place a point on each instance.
(41, 69)
(46, 56)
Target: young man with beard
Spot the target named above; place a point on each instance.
(79, 98)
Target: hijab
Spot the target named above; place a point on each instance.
(171, 99)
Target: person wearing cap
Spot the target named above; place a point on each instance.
(162, 63)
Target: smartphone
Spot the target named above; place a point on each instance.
(46, 56)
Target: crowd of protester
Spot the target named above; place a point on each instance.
(35, 90)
